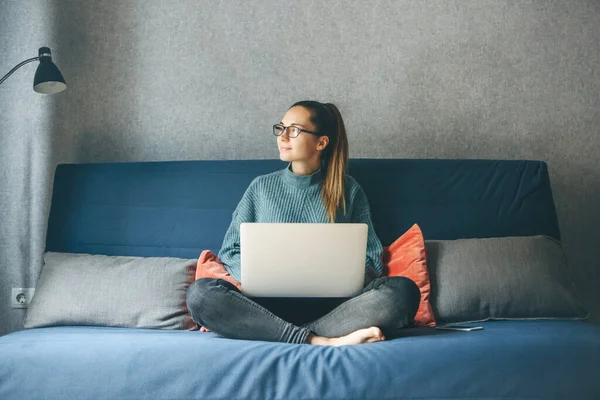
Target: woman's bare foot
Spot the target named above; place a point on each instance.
(367, 335)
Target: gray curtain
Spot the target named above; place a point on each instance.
(26, 153)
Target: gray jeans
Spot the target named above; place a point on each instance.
(389, 303)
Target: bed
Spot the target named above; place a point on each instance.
(179, 209)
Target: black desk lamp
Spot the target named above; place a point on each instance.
(48, 78)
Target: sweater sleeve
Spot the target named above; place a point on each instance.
(361, 213)
(229, 254)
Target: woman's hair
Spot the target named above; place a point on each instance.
(334, 159)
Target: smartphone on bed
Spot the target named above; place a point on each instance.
(459, 328)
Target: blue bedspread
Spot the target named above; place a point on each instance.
(508, 359)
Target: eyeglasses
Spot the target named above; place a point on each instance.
(292, 131)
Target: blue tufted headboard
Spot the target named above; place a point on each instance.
(180, 208)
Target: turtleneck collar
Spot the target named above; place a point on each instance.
(302, 181)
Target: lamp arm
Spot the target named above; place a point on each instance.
(17, 67)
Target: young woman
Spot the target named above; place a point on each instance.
(313, 188)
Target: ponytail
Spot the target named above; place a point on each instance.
(335, 160)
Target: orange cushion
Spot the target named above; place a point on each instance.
(407, 257)
(209, 266)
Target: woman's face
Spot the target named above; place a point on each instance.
(306, 147)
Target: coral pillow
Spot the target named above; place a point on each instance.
(209, 266)
(407, 257)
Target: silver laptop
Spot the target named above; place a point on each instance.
(302, 259)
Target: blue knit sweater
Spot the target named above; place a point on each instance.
(283, 196)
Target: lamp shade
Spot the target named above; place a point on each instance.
(48, 78)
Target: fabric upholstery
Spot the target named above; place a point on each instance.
(133, 292)
(156, 208)
(407, 257)
(501, 278)
(209, 266)
(506, 360)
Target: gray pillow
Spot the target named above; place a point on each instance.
(500, 278)
(133, 292)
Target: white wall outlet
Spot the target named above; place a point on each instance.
(21, 297)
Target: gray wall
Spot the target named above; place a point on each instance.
(177, 80)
